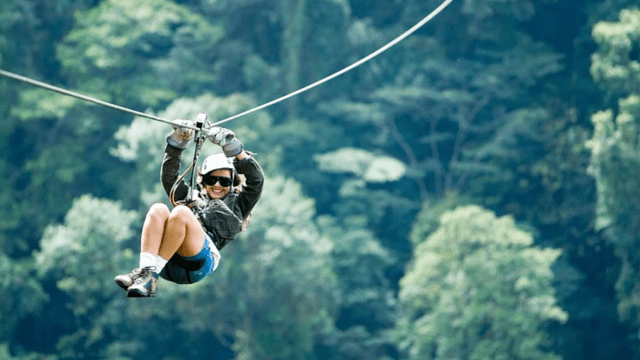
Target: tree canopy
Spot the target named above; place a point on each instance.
(471, 193)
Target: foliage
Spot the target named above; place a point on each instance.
(367, 304)
(455, 113)
(478, 290)
(448, 104)
(85, 246)
(17, 277)
(78, 254)
(5, 355)
(119, 38)
(363, 164)
(615, 150)
(428, 219)
(615, 64)
(488, 104)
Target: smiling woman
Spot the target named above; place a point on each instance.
(217, 176)
(183, 245)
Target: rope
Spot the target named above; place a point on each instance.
(348, 68)
(87, 98)
(428, 18)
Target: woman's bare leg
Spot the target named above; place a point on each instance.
(182, 234)
(152, 233)
(163, 234)
(154, 228)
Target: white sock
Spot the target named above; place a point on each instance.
(160, 263)
(147, 259)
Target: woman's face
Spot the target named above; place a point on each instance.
(218, 191)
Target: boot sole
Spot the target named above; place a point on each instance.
(137, 294)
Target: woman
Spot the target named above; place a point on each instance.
(183, 245)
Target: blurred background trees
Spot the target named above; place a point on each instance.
(478, 290)
(469, 194)
(615, 151)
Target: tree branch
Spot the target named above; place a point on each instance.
(465, 124)
(413, 160)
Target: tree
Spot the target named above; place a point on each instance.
(428, 219)
(139, 54)
(615, 150)
(6, 355)
(367, 306)
(359, 172)
(29, 30)
(292, 43)
(18, 277)
(454, 121)
(457, 114)
(80, 256)
(476, 289)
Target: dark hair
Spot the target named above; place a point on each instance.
(238, 180)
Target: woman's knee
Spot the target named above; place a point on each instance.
(159, 212)
(182, 213)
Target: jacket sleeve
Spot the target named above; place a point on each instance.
(252, 190)
(170, 171)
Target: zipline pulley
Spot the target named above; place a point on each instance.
(200, 135)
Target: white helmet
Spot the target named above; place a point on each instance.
(216, 162)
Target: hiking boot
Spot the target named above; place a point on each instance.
(145, 284)
(126, 280)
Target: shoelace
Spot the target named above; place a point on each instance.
(135, 272)
(143, 276)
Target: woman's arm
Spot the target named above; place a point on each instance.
(170, 171)
(246, 165)
(242, 155)
(177, 141)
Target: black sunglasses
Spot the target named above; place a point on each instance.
(213, 179)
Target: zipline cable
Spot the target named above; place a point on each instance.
(87, 98)
(348, 68)
(393, 42)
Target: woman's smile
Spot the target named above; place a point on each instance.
(217, 191)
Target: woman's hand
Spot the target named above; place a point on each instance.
(226, 139)
(181, 136)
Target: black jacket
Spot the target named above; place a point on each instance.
(222, 219)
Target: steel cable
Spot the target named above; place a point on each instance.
(348, 68)
(393, 42)
(86, 98)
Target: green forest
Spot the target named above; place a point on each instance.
(472, 193)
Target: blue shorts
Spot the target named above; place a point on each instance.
(188, 270)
